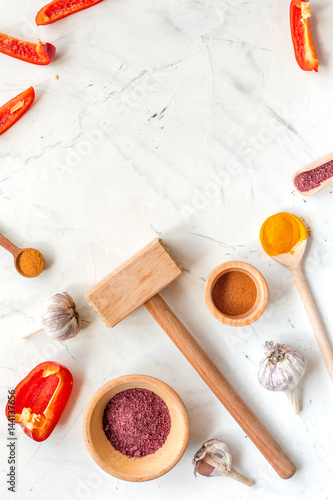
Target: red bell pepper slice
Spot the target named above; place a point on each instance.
(301, 35)
(40, 53)
(59, 9)
(40, 399)
(15, 108)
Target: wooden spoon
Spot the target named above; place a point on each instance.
(16, 252)
(312, 166)
(292, 261)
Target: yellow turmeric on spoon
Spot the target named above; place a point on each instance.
(281, 232)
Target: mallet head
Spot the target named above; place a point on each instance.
(134, 283)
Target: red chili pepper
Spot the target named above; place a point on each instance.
(62, 8)
(41, 53)
(40, 399)
(301, 35)
(15, 108)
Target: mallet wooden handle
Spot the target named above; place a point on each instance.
(192, 351)
(314, 318)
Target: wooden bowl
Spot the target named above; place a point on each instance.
(135, 469)
(258, 307)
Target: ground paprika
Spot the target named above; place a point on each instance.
(234, 293)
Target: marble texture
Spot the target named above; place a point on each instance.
(185, 120)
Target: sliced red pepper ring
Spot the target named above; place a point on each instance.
(58, 9)
(40, 399)
(15, 108)
(301, 35)
(40, 53)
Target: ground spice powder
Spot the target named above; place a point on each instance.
(136, 422)
(234, 293)
(31, 262)
(310, 179)
(281, 232)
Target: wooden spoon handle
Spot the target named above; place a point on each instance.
(220, 386)
(8, 245)
(315, 321)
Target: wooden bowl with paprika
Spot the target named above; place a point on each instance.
(236, 293)
(136, 428)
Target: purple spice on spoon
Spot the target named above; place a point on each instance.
(311, 179)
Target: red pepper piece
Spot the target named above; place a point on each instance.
(40, 399)
(41, 53)
(301, 35)
(62, 8)
(15, 108)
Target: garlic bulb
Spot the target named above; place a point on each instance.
(61, 321)
(214, 459)
(281, 370)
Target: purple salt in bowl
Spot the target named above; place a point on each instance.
(142, 468)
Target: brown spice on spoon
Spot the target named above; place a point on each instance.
(234, 293)
(30, 262)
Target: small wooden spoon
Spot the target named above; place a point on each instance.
(16, 252)
(292, 261)
(312, 166)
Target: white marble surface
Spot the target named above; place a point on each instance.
(183, 119)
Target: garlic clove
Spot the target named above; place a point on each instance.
(203, 468)
(214, 459)
(281, 370)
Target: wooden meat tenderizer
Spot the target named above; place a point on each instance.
(138, 282)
